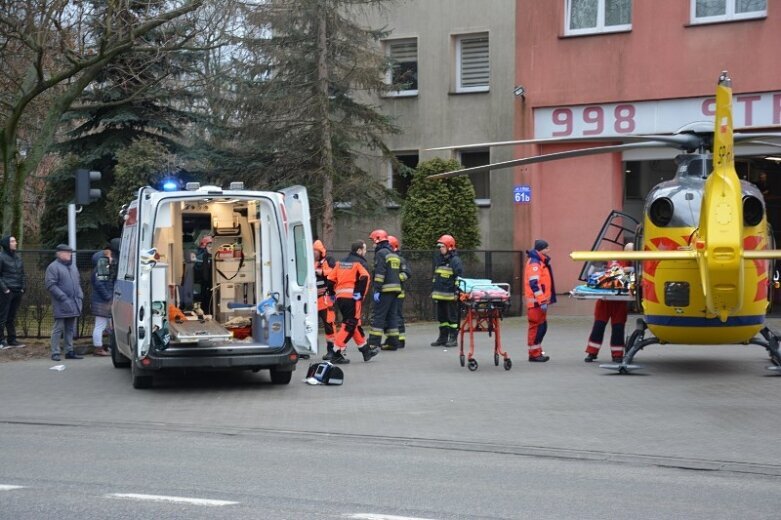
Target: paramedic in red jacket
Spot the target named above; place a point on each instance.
(349, 281)
(325, 301)
(540, 292)
(614, 312)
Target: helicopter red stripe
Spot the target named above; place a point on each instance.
(649, 291)
(761, 291)
(752, 243)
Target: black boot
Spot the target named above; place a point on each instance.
(338, 358)
(452, 339)
(442, 339)
(368, 352)
(402, 343)
(391, 343)
(329, 355)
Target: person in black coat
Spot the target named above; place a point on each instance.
(12, 284)
(102, 296)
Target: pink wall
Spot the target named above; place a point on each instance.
(662, 57)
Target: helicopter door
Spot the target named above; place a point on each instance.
(616, 228)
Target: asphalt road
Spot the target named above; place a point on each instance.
(411, 434)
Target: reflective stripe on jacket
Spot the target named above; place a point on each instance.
(349, 276)
(447, 269)
(387, 269)
(538, 286)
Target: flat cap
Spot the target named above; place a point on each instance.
(64, 247)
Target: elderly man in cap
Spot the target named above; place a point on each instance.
(540, 292)
(62, 282)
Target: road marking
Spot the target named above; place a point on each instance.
(179, 500)
(6, 487)
(375, 516)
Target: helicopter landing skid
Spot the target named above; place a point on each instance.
(771, 345)
(634, 344)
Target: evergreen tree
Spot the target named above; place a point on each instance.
(303, 68)
(434, 208)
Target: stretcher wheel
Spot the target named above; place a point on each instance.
(496, 359)
(472, 366)
(461, 358)
(508, 364)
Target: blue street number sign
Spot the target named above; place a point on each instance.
(522, 194)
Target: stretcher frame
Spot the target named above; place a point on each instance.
(483, 313)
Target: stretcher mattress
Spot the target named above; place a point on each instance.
(481, 289)
(584, 292)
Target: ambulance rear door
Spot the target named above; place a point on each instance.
(300, 271)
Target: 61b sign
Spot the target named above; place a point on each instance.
(522, 194)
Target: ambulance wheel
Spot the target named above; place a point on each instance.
(117, 359)
(141, 378)
(496, 359)
(462, 358)
(472, 366)
(279, 377)
(508, 364)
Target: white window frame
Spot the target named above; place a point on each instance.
(599, 28)
(458, 41)
(389, 74)
(730, 14)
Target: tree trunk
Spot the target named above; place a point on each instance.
(326, 157)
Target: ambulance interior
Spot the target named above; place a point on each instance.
(198, 305)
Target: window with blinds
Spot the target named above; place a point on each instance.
(472, 63)
(403, 75)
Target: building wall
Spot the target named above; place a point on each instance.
(438, 116)
(663, 57)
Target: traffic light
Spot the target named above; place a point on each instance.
(85, 193)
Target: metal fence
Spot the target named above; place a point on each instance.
(498, 266)
(34, 318)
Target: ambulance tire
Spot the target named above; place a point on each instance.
(279, 377)
(117, 359)
(141, 378)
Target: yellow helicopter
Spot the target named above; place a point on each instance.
(702, 251)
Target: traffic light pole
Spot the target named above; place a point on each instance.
(72, 229)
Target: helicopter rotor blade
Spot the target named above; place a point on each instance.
(739, 138)
(551, 157)
(681, 140)
(758, 143)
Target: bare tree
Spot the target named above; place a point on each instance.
(50, 52)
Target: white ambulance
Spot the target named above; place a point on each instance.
(250, 305)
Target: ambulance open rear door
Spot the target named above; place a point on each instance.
(300, 272)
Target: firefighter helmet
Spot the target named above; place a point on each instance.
(394, 242)
(448, 241)
(378, 235)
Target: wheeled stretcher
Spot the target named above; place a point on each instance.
(482, 303)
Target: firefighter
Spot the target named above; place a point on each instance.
(325, 300)
(349, 282)
(386, 285)
(612, 311)
(540, 292)
(404, 275)
(447, 269)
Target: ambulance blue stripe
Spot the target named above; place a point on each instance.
(689, 321)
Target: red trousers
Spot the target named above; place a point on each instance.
(351, 323)
(608, 311)
(538, 326)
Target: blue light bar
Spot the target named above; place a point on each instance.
(170, 185)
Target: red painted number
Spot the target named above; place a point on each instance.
(563, 117)
(625, 119)
(594, 115)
